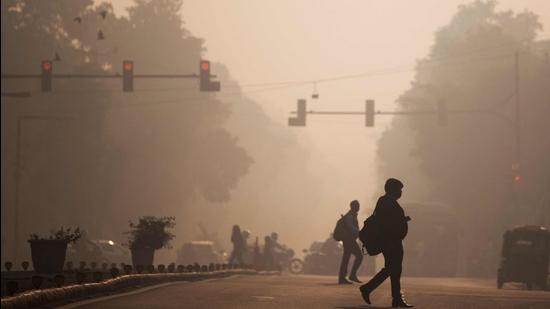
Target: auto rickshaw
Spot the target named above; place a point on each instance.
(525, 255)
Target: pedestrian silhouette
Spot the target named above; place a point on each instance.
(393, 227)
(349, 240)
(269, 253)
(239, 246)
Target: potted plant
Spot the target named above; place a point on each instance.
(48, 253)
(147, 235)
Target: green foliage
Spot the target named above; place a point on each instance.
(151, 232)
(67, 235)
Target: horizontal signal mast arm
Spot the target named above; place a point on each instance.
(117, 75)
(392, 113)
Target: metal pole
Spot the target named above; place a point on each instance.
(517, 200)
(518, 111)
(16, 199)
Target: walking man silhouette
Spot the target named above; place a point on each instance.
(239, 246)
(393, 229)
(351, 246)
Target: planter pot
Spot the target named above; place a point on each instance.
(48, 256)
(142, 256)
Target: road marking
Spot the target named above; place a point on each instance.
(138, 291)
(263, 298)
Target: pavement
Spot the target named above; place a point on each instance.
(308, 292)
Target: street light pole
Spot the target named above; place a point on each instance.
(518, 109)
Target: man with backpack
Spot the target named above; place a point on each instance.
(391, 228)
(348, 231)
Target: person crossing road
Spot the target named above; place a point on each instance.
(351, 247)
(393, 229)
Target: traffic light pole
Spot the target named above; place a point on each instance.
(518, 109)
(116, 75)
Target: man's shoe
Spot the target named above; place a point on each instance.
(365, 293)
(344, 281)
(400, 303)
(355, 279)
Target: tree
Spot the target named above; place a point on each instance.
(118, 155)
(468, 163)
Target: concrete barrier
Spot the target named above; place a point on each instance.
(74, 292)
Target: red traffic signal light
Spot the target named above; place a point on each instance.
(128, 65)
(46, 78)
(46, 65)
(205, 84)
(127, 76)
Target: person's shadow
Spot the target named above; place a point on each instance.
(362, 307)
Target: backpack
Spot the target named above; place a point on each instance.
(340, 231)
(370, 235)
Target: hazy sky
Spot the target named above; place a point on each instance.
(263, 41)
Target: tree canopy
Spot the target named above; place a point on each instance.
(97, 156)
(472, 162)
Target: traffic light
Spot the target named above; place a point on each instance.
(300, 119)
(204, 78)
(369, 113)
(442, 113)
(46, 67)
(516, 172)
(127, 76)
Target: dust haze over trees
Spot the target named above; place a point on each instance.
(98, 157)
(470, 163)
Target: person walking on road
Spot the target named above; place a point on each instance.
(393, 228)
(350, 245)
(269, 251)
(239, 246)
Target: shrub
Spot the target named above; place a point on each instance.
(151, 232)
(67, 235)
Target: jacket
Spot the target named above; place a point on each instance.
(351, 224)
(391, 218)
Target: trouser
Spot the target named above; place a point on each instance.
(268, 260)
(393, 258)
(350, 247)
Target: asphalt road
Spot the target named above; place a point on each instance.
(310, 292)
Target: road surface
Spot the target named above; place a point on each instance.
(310, 292)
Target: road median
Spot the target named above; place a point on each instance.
(122, 283)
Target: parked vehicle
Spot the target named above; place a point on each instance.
(99, 251)
(525, 257)
(323, 258)
(199, 251)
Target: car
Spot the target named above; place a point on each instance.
(98, 251)
(199, 251)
